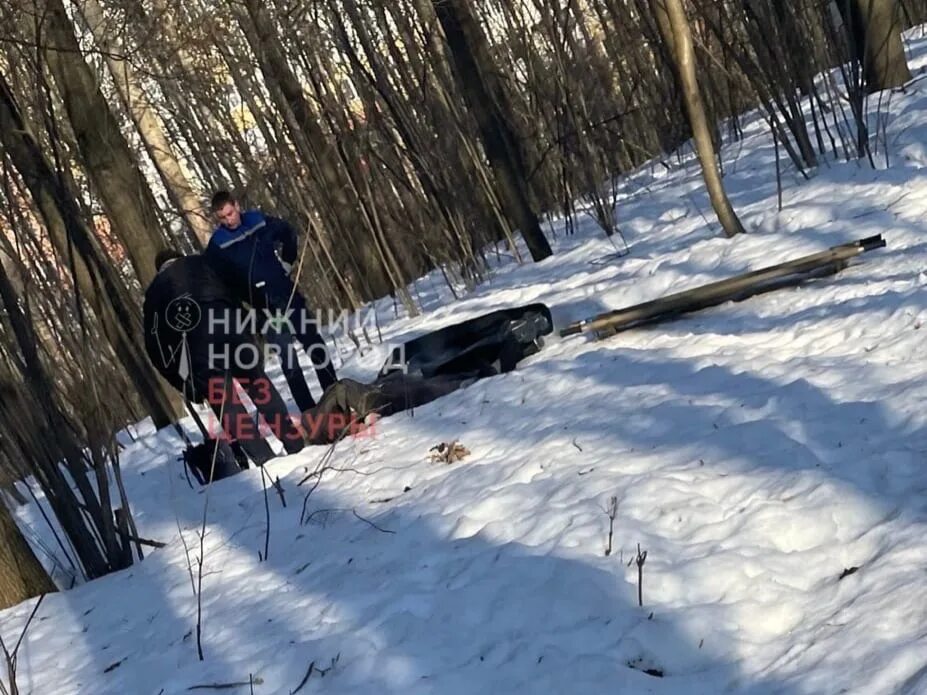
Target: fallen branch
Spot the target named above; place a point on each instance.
(315, 669)
(305, 679)
(354, 512)
(227, 686)
(732, 289)
(142, 541)
(367, 521)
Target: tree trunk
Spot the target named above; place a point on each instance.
(60, 446)
(177, 60)
(474, 70)
(123, 190)
(94, 276)
(149, 125)
(874, 32)
(322, 158)
(674, 29)
(21, 574)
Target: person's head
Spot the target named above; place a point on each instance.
(226, 210)
(165, 256)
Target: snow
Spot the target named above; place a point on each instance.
(757, 451)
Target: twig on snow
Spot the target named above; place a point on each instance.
(266, 517)
(305, 679)
(319, 470)
(183, 540)
(228, 686)
(11, 688)
(315, 669)
(353, 511)
(303, 519)
(322, 511)
(202, 533)
(612, 512)
(279, 488)
(640, 559)
(368, 521)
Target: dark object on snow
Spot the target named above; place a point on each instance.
(734, 289)
(655, 672)
(230, 458)
(431, 366)
(490, 344)
(847, 572)
(199, 458)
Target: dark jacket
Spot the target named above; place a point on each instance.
(246, 257)
(189, 319)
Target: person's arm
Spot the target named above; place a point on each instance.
(284, 233)
(157, 354)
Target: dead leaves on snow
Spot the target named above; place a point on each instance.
(448, 453)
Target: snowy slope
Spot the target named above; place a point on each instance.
(756, 450)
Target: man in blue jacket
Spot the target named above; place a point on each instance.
(244, 250)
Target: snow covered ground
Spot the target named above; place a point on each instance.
(757, 451)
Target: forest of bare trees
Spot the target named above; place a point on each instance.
(401, 137)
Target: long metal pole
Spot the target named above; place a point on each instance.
(739, 287)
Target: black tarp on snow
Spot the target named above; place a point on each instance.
(436, 364)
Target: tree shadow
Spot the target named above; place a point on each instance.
(479, 608)
(474, 612)
(429, 604)
(707, 404)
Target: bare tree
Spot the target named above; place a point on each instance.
(47, 435)
(674, 28)
(21, 574)
(474, 72)
(96, 280)
(874, 30)
(139, 106)
(110, 163)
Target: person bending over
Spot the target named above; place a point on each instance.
(191, 338)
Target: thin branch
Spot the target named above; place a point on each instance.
(378, 528)
(279, 488)
(266, 516)
(612, 513)
(640, 559)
